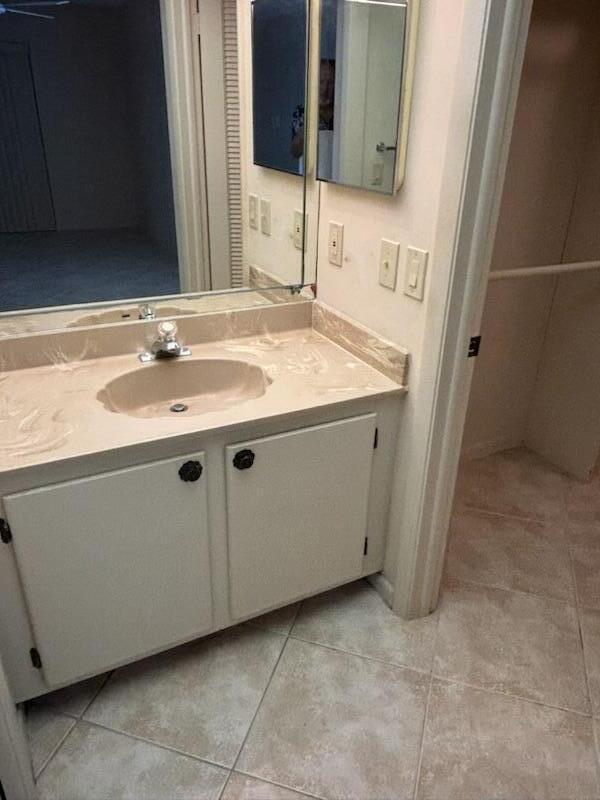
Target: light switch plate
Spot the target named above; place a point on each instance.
(299, 224)
(336, 243)
(416, 270)
(388, 263)
(265, 216)
(253, 211)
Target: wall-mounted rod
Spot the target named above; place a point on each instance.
(537, 272)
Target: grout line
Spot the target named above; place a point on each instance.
(508, 695)
(422, 739)
(152, 743)
(287, 638)
(464, 508)
(57, 747)
(107, 677)
(237, 758)
(578, 611)
(75, 718)
(279, 785)
(325, 646)
(480, 585)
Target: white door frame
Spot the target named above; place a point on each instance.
(489, 72)
(181, 54)
(16, 772)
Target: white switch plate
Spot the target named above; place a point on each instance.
(299, 229)
(265, 216)
(416, 270)
(253, 211)
(388, 263)
(336, 243)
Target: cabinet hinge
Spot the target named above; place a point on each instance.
(36, 658)
(474, 346)
(366, 546)
(5, 532)
(376, 439)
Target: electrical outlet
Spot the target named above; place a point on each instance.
(388, 264)
(416, 270)
(336, 243)
(265, 216)
(253, 211)
(299, 225)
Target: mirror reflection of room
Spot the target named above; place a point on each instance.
(87, 204)
(361, 77)
(128, 167)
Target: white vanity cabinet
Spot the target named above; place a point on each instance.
(105, 566)
(114, 566)
(297, 512)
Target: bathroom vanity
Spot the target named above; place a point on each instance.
(130, 526)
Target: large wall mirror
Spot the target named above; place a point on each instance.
(137, 176)
(365, 78)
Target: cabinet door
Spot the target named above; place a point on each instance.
(114, 566)
(297, 512)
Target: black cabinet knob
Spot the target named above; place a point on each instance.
(190, 471)
(244, 459)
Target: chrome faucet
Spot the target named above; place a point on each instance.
(166, 344)
(146, 311)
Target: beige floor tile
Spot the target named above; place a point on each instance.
(242, 787)
(355, 618)
(511, 642)
(338, 726)
(590, 629)
(279, 621)
(515, 482)
(586, 567)
(95, 764)
(480, 746)
(45, 731)
(510, 553)
(199, 698)
(72, 699)
(583, 513)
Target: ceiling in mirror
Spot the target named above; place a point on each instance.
(136, 164)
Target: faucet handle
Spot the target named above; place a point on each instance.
(147, 311)
(167, 331)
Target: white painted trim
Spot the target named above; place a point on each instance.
(489, 70)
(382, 586)
(406, 92)
(182, 78)
(16, 772)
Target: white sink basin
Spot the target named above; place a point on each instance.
(184, 387)
(124, 314)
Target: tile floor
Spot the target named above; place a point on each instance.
(496, 695)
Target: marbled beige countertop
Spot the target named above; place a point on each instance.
(52, 412)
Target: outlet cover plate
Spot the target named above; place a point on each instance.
(388, 264)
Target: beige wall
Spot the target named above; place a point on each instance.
(553, 123)
(564, 418)
(412, 217)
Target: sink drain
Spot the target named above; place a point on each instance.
(178, 408)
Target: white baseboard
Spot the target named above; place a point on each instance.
(383, 587)
(483, 449)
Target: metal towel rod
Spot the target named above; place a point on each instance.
(536, 272)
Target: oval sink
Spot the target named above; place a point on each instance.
(181, 388)
(124, 314)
